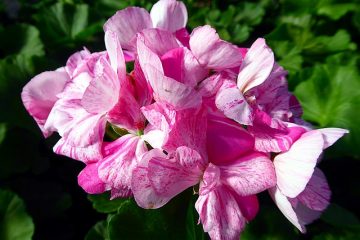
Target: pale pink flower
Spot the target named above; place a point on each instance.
(302, 192)
(170, 15)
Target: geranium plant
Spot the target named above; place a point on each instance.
(195, 111)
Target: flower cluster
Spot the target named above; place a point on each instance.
(194, 111)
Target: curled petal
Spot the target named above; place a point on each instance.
(75, 63)
(40, 95)
(271, 134)
(169, 14)
(295, 167)
(116, 55)
(256, 67)
(316, 195)
(211, 51)
(89, 179)
(232, 103)
(170, 91)
(83, 140)
(127, 23)
(331, 135)
(158, 40)
(286, 208)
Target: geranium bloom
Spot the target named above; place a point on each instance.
(302, 192)
(169, 15)
(222, 161)
(195, 111)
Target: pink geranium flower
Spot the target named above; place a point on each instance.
(301, 192)
(228, 170)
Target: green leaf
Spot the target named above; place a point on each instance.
(330, 97)
(250, 13)
(15, 223)
(98, 232)
(21, 39)
(338, 216)
(80, 19)
(336, 11)
(62, 23)
(103, 204)
(328, 44)
(194, 231)
(2, 132)
(340, 235)
(167, 222)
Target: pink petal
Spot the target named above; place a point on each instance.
(144, 193)
(128, 56)
(180, 128)
(193, 71)
(286, 208)
(181, 65)
(295, 167)
(183, 36)
(75, 63)
(211, 51)
(154, 137)
(103, 92)
(127, 111)
(169, 91)
(211, 85)
(127, 23)
(122, 156)
(83, 140)
(295, 108)
(89, 179)
(256, 67)
(305, 214)
(40, 94)
(68, 108)
(169, 14)
(316, 195)
(208, 89)
(232, 103)
(159, 115)
(158, 41)
(116, 55)
(142, 89)
(210, 180)
(220, 214)
(179, 171)
(227, 141)
(271, 134)
(249, 206)
(331, 135)
(273, 96)
(147, 57)
(188, 129)
(250, 174)
(173, 64)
